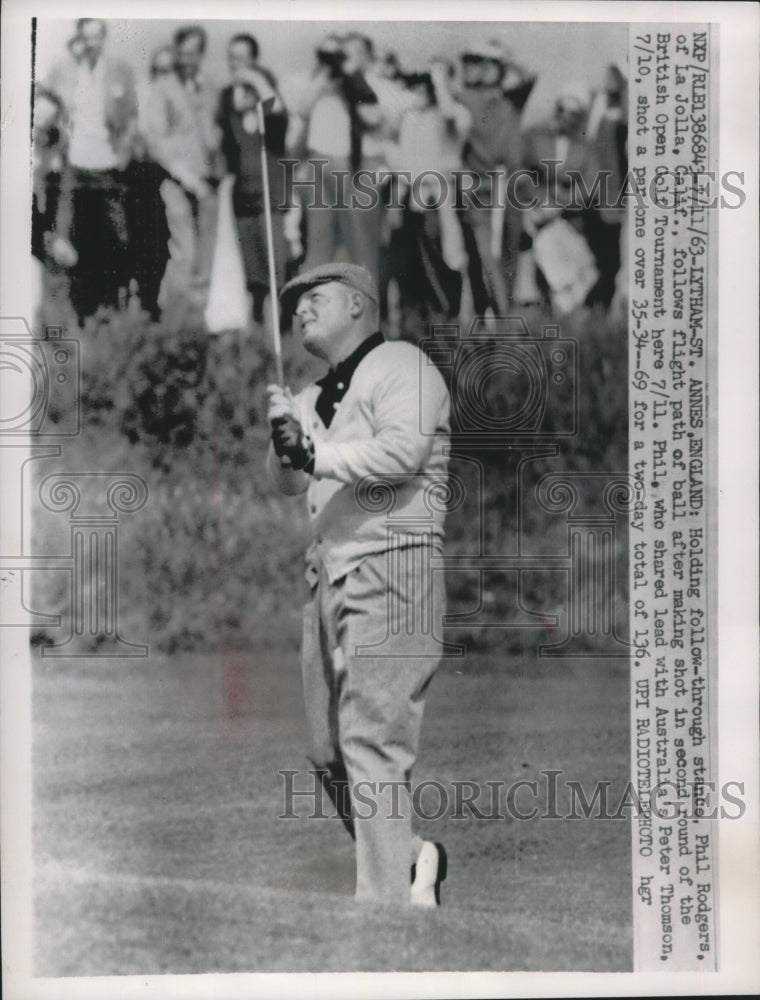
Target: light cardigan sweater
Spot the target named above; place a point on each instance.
(380, 476)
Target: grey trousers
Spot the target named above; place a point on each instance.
(192, 233)
(358, 230)
(369, 653)
(492, 278)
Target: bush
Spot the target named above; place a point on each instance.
(215, 556)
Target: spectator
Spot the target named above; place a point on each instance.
(182, 136)
(607, 138)
(585, 140)
(324, 130)
(146, 213)
(495, 90)
(430, 259)
(238, 120)
(99, 100)
(49, 159)
(379, 100)
(349, 113)
(557, 150)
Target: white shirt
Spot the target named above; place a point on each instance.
(426, 142)
(329, 127)
(89, 145)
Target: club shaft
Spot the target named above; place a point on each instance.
(276, 339)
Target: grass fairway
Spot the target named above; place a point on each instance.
(158, 846)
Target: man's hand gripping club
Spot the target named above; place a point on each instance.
(292, 445)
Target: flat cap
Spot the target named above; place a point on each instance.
(347, 274)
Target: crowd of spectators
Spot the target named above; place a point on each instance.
(366, 161)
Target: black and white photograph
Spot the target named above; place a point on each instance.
(379, 454)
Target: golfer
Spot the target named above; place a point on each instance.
(367, 443)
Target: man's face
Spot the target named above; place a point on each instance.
(325, 315)
(93, 36)
(357, 55)
(613, 86)
(569, 116)
(163, 62)
(472, 72)
(388, 67)
(239, 57)
(189, 56)
(492, 73)
(45, 112)
(420, 98)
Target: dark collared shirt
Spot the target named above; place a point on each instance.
(335, 383)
